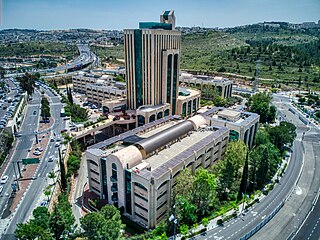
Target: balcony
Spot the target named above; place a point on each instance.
(114, 198)
(114, 189)
(113, 179)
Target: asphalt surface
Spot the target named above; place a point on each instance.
(25, 142)
(237, 228)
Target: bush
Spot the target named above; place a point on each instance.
(220, 222)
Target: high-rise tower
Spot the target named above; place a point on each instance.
(152, 56)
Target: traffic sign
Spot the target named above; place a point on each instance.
(26, 161)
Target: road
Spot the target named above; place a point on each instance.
(25, 142)
(299, 219)
(237, 228)
(85, 57)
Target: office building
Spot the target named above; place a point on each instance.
(137, 170)
(152, 57)
(242, 125)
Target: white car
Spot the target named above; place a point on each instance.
(57, 144)
(50, 159)
(1, 188)
(37, 153)
(4, 179)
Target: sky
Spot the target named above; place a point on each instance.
(122, 14)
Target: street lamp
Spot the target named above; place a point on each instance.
(173, 219)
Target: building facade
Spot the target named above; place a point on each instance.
(242, 125)
(222, 86)
(99, 90)
(137, 170)
(152, 57)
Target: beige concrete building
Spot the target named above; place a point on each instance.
(98, 90)
(242, 125)
(152, 57)
(188, 102)
(137, 170)
(222, 86)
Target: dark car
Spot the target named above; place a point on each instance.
(34, 112)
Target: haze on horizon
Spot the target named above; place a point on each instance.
(104, 14)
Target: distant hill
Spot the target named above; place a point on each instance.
(285, 55)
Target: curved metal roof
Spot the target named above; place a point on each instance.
(162, 138)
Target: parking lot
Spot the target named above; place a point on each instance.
(9, 99)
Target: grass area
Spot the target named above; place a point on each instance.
(38, 48)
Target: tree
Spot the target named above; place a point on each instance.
(244, 178)
(31, 231)
(37, 228)
(105, 224)
(261, 104)
(61, 219)
(229, 168)
(261, 137)
(73, 164)
(205, 222)
(27, 82)
(204, 195)
(47, 192)
(184, 229)
(283, 134)
(185, 211)
(184, 184)
(63, 177)
(52, 176)
(264, 160)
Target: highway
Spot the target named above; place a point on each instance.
(239, 227)
(86, 57)
(25, 142)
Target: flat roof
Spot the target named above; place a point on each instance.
(229, 113)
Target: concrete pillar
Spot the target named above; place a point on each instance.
(251, 136)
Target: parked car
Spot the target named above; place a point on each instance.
(1, 188)
(57, 144)
(44, 204)
(39, 149)
(4, 179)
(37, 153)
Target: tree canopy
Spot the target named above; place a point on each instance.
(105, 224)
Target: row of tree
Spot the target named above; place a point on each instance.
(45, 108)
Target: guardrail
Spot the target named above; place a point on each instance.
(262, 223)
